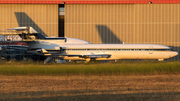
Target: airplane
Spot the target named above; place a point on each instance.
(76, 49)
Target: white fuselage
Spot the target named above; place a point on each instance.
(122, 51)
(117, 51)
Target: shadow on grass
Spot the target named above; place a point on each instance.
(90, 95)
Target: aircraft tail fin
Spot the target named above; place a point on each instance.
(27, 33)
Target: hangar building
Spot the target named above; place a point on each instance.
(98, 21)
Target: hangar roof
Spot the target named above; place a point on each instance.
(87, 1)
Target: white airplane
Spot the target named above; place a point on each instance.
(77, 49)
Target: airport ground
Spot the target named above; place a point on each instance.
(88, 88)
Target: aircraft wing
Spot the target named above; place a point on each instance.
(88, 56)
(45, 52)
(97, 56)
(14, 47)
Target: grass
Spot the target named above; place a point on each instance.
(123, 68)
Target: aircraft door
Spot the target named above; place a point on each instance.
(150, 50)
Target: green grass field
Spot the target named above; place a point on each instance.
(122, 68)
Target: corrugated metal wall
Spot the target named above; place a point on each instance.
(128, 23)
(44, 18)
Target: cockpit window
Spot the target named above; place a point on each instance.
(171, 49)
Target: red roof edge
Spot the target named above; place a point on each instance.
(88, 1)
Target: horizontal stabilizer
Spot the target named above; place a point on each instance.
(30, 29)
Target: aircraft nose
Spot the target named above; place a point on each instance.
(172, 54)
(175, 53)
